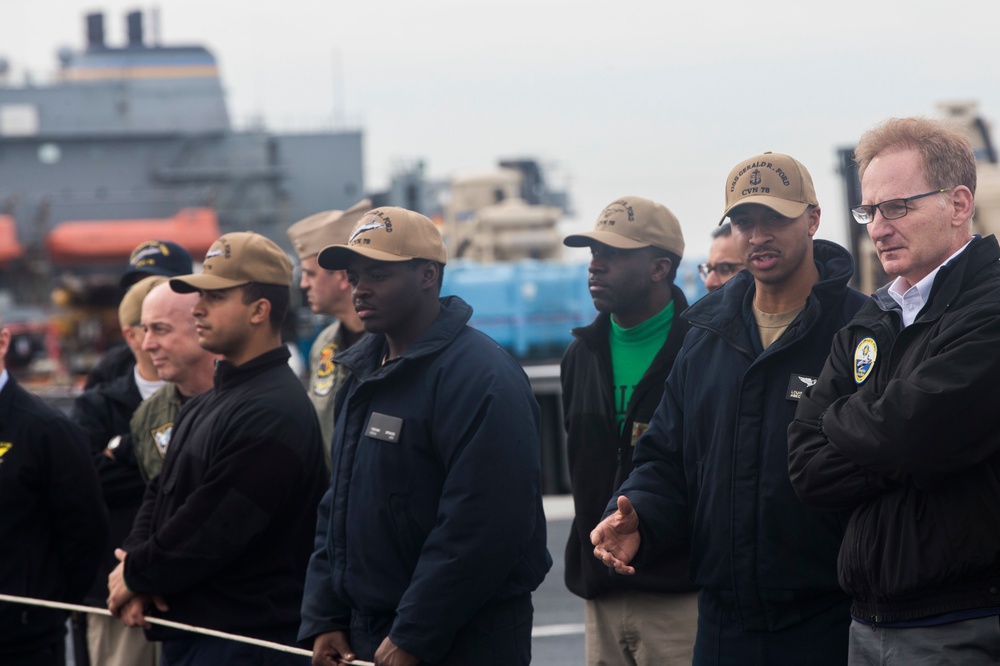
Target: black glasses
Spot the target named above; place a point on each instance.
(893, 209)
(723, 268)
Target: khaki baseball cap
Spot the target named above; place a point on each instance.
(774, 180)
(236, 259)
(631, 223)
(388, 234)
(130, 309)
(311, 235)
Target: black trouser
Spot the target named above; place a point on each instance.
(53, 654)
(820, 640)
(498, 633)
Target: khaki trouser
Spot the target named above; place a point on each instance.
(641, 629)
(111, 643)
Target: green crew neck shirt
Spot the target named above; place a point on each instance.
(632, 352)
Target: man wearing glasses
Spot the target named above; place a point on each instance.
(713, 466)
(723, 259)
(902, 427)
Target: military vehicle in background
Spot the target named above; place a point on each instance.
(965, 116)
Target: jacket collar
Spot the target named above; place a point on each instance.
(951, 281)
(728, 310)
(228, 375)
(364, 357)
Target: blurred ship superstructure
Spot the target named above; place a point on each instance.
(135, 142)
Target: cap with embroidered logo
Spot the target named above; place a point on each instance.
(156, 257)
(631, 223)
(236, 259)
(774, 180)
(130, 308)
(311, 235)
(388, 234)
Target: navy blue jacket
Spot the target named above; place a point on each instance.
(429, 524)
(714, 462)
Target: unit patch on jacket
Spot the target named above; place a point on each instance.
(4, 448)
(797, 384)
(323, 381)
(864, 359)
(161, 437)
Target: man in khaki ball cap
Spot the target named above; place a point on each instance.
(612, 380)
(432, 535)
(226, 529)
(328, 293)
(711, 472)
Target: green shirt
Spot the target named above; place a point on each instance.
(632, 352)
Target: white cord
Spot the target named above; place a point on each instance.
(174, 625)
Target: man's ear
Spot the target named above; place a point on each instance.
(429, 273)
(660, 268)
(260, 311)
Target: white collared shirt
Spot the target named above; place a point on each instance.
(3, 378)
(912, 300)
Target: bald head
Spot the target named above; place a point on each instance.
(172, 341)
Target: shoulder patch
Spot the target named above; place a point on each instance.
(864, 359)
(324, 376)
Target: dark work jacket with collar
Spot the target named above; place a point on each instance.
(911, 443)
(103, 412)
(53, 524)
(226, 529)
(600, 456)
(714, 462)
(435, 505)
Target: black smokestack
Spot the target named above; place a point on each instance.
(134, 23)
(95, 30)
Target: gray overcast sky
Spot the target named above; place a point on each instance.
(652, 98)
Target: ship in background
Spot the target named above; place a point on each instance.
(134, 142)
(137, 138)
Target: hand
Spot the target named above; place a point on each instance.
(616, 538)
(389, 654)
(331, 648)
(118, 593)
(134, 612)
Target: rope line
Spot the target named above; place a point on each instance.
(94, 610)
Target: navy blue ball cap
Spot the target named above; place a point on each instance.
(157, 257)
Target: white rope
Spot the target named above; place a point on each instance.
(174, 625)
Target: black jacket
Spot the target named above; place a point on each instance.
(912, 446)
(225, 531)
(715, 458)
(426, 523)
(600, 457)
(53, 526)
(104, 412)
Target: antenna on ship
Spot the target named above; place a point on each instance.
(154, 25)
